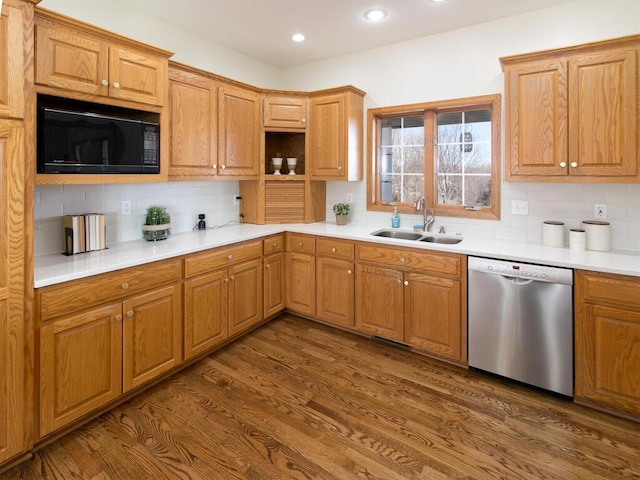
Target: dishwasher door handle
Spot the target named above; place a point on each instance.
(517, 280)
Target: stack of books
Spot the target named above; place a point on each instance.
(83, 233)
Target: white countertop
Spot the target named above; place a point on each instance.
(56, 268)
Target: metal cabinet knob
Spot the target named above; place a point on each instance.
(563, 164)
(574, 164)
(299, 244)
(406, 283)
(233, 277)
(275, 245)
(125, 285)
(334, 250)
(105, 83)
(267, 267)
(215, 165)
(116, 85)
(340, 167)
(223, 167)
(403, 261)
(226, 280)
(349, 272)
(230, 257)
(130, 313)
(118, 318)
(304, 120)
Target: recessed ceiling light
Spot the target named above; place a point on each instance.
(297, 37)
(375, 15)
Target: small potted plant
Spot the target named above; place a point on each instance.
(157, 225)
(341, 210)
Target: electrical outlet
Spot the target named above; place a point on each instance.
(600, 211)
(519, 207)
(236, 199)
(349, 197)
(126, 207)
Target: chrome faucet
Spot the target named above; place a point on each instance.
(427, 219)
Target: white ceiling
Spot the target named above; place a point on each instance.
(262, 29)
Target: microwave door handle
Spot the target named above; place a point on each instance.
(78, 156)
(105, 152)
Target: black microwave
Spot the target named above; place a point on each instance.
(89, 141)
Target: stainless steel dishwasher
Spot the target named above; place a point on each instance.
(521, 322)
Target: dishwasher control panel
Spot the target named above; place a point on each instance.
(522, 270)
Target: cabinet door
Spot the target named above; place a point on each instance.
(193, 128)
(245, 296)
(14, 365)
(433, 318)
(301, 279)
(536, 137)
(205, 312)
(379, 302)
(607, 353)
(66, 59)
(238, 132)
(274, 279)
(335, 291)
(327, 137)
(80, 365)
(12, 64)
(285, 111)
(603, 114)
(137, 77)
(151, 335)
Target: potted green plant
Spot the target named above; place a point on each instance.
(341, 210)
(157, 224)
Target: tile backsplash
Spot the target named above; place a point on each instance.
(184, 201)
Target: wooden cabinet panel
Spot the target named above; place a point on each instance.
(301, 280)
(572, 113)
(335, 291)
(379, 302)
(136, 76)
(12, 59)
(76, 295)
(607, 342)
(602, 119)
(205, 312)
(274, 244)
(245, 296)
(274, 284)
(440, 263)
(238, 132)
(301, 243)
(335, 134)
(216, 258)
(80, 365)
(285, 111)
(433, 317)
(193, 119)
(333, 248)
(152, 335)
(15, 401)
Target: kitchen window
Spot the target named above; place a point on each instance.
(448, 152)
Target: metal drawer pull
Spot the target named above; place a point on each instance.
(334, 250)
(406, 283)
(130, 313)
(116, 85)
(403, 261)
(563, 164)
(267, 267)
(299, 244)
(105, 83)
(125, 285)
(118, 318)
(574, 164)
(349, 272)
(230, 257)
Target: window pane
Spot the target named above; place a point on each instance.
(449, 159)
(478, 160)
(450, 189)
(414, 160)
(477, 191)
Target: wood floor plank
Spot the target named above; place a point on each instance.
(298, 400)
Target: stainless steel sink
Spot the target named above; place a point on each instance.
(415, 236)
(397, 234)
(446, 240)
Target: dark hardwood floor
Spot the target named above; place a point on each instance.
(295, 399)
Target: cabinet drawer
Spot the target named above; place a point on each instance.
(335, 248)
(612, 289)
(220, 258)
(440, 263)
(80, 294)
(301, 243)
(273, 244)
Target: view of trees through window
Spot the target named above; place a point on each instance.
(462, 158)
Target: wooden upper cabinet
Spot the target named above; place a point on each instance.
(572, 113)
(284, 111)
(12, 59)
(72, 59)
(238, 132)
(193, 117)
(335, 134)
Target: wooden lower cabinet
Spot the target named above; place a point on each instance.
(90, 358)
(245, 296)
(335, 291)
(379, 302)
(301, 281)
(607, 342)
(274, 283)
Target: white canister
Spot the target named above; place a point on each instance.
(598, 235)
(577, 240)
(553, 233)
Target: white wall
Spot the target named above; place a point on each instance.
(455, 64)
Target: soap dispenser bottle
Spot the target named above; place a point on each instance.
(395, 218)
